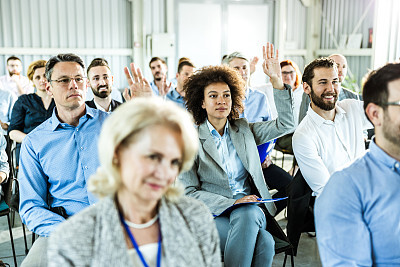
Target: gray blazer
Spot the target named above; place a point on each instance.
(207, 180)
(94, 237)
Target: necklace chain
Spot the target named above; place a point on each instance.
(143, 225)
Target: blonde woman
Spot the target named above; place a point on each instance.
(142, 219)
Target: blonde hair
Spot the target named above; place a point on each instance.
(34, 66)
(125, 124)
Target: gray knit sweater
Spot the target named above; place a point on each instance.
(94, 237)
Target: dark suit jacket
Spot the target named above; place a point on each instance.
(113, 106)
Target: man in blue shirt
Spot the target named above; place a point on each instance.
(58, 157)
(159, 85)
(357, 215)
(177, 94)
(256, 109)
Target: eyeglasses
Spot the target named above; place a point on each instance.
(67, 81)
(287, 72)
(396, 103)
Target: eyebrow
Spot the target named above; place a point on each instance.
(226, 91)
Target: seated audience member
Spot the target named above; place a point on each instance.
(291, 76)
(159, 85)
(142, 219)
(227, 168)
(60, 155)
(177, 94)
(256, 109)
(7, 101)
(14, 81)
(101, 82)
(4, 167)
(30, 110)
(357, 216)
(344, 93)
(331, 135)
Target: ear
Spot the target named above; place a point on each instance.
(177, 75)
(48, 90)
(374, 114)
(203, 105)
(306, 88)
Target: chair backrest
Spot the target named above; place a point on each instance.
(299, 209)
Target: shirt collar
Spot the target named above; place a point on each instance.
(319, 120)
(174, 93)
(55, 122)
(382, 156)
(214, 132)
(247, 93)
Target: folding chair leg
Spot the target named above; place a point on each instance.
(26, 244)
(12, 240)
(33, 238)
(284, 260)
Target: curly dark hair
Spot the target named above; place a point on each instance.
(195, 85)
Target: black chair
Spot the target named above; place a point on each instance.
(300, 210)
(5, 210)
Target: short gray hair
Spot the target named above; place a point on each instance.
(61, 58)
(226, 60)
(125, 124)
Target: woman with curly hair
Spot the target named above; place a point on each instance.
(227, 169)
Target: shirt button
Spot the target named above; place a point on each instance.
(77, 129)
(81, 147)
(397, 165)
(85, 167)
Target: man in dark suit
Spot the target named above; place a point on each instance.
(101, 81)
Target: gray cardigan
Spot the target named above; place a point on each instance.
(207, 180)
(94, 237)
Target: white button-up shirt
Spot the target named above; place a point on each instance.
(322, 147)
(10, 85)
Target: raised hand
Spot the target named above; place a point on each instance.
(271, 66)
(138, 85)
(253, 63)
(165, 87)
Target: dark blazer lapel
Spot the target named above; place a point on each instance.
(238, 141)
(208, 143)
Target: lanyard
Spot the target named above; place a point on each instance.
(137, 247)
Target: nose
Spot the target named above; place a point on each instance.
(102, 81)
(220, 99)
(74, 84)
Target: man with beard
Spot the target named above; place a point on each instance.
(101, 82)
(358, 224)
(14, 81)
(331, 134)
(159, 69)
(344, 93)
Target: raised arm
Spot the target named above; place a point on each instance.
(138, 85)
(271, 66)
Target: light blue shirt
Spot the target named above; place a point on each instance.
(7, 100)
(174, 96)
(155, 88)
(56, 162)
(357, 216)
(256, 109)
(231, 162)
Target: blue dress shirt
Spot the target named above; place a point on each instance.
(56, 162)
(231, 162)
(155, 88)
(357, 216)
(256, 109)
(7, 100)
(174, 96)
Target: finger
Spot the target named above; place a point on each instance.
(128, 76)
(264, 50)
(134, 73)
(126, 95)
(140, 75)
(271, 50)
(277, 52)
